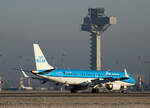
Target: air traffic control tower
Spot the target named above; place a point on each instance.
(96, 23)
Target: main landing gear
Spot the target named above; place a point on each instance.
(124, 89)
(73, 91)
(95, 90)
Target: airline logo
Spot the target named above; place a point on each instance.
(115, 74)
(108, 73)
(40, 59)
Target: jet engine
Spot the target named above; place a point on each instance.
(113, 86)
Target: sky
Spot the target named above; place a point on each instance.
(55, 25)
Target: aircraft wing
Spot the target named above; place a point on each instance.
(109, 79)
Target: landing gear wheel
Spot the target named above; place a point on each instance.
(73, 91)
(123, 91)
(95, 90)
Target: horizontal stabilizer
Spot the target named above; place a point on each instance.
(24, 74)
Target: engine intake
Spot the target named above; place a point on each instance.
(113, 86)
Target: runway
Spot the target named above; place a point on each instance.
(68, 94)
(46, 99)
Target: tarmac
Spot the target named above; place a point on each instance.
(47, 99)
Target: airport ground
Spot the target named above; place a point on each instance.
(46, 99)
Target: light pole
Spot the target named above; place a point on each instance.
(140, 71)
(148, 62)
(0, 72)
(63, 59)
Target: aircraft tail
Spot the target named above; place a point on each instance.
(41, 62)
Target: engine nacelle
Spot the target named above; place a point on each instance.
(113, 86)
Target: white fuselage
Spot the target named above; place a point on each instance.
(77, 81)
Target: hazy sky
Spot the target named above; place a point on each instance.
(55, 25)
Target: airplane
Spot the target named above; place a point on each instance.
(75, 80)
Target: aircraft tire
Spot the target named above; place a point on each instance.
(123, 91)
(95, 90)
(73, 91)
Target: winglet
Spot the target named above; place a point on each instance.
(125, 73)
(24, 74)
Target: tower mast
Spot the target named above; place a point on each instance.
(96, 23)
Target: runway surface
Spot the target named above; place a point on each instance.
(46, 99)
(68, 94)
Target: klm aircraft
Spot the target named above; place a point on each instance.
(80, 79)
